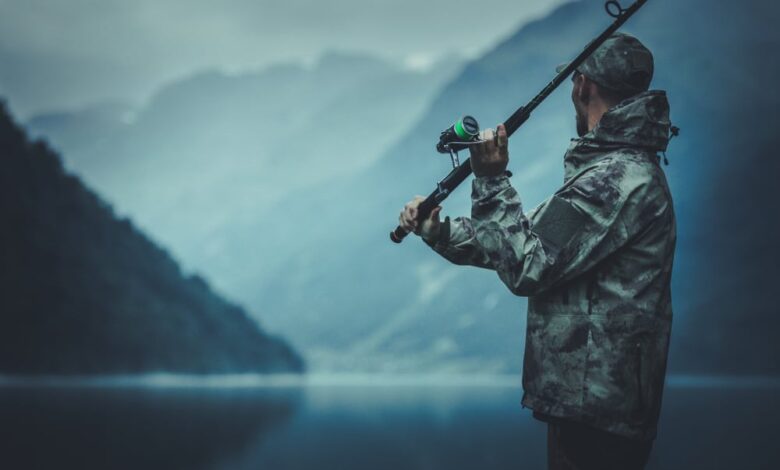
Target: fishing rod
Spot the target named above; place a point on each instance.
(465, 131)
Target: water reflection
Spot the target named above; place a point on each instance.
(352, 423)
(133, 428)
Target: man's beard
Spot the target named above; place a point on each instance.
(582, 124)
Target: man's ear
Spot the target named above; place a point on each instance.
(582, 88)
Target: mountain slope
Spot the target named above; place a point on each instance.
(201, 164)
(84, 292)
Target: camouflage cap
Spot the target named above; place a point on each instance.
(621, 64)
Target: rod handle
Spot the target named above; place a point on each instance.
(398, 235)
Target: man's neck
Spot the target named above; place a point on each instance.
(595, 111)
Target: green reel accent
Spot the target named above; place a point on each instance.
(466, 130)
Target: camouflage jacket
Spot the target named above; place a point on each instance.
(595, 260)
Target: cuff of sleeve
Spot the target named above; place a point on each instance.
(442, 239)
(485, 187)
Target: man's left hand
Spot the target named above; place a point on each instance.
(491, 156)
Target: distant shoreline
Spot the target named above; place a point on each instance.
(253, 380)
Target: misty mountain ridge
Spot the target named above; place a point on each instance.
(234, 145)
(81, 130)
(84, 292)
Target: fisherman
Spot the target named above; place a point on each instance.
(594, 260)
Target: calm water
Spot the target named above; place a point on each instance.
(352, 424)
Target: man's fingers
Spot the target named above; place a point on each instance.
(402, 222)
(412, 205)
(412, 212)
(502, 140)
(407, 219)
(489, 144)
(410, 219)
(477, 149)
(488, 136)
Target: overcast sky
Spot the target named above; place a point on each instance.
(57, 54)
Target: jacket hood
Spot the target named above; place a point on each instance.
(640, 122)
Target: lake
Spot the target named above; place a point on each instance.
(350, 422)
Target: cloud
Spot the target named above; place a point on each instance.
(91, 51)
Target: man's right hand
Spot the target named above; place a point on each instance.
(429, 229)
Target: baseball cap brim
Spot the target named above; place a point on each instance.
(562, 66)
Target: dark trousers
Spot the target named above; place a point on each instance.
(574, 446)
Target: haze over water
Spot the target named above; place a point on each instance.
(349, 422)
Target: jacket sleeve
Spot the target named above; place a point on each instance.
(571, 232)
(457, 244)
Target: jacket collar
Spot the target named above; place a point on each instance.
(640, 122)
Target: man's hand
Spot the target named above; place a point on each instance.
(429, 229)
(490, 158)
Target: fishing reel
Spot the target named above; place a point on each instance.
(464, 132)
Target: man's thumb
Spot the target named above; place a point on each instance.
(435, 212)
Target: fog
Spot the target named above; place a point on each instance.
(56, 55)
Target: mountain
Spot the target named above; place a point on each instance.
(401, 307)
(204, 160)
(82, 291)
(80, 131)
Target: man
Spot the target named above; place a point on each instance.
(594, 260)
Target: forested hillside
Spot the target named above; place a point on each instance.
(84, 292)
